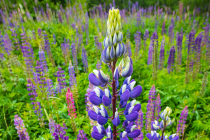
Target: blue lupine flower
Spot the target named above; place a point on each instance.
(98, 132)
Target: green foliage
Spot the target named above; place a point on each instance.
(171, 87)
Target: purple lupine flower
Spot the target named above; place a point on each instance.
(156, 25)
(54, 38)
(81, 135)
(128, 34)
(7, 44)
(198, 48)
(171, 33)
(181, 126)
(37, 110)
(179, 47)
(40, 76)
(149, 115)
(15, 39)
(150, 108)
(27, 52)
(163, 28)
(157, 107)
(171, 59)
(1, 41)
(52, 126)
(207, 40)
(61, 78)
(150, 52)
(89, 106)
(42, 59)
(162, 58)
(137, 39)
(191, 42)
(32, 89)
(84, 59)
(191, 49)
(74, 54)
(72, 78)
(21, 130)
(86, 27)
(172, 22)
(152, 95)
(59, 17)
(98, 65)
(138, 19)
(139, 125)
(97, 43)
(47, 46)
(50, 91)
(129, 48)
(2, 56)
(40, 32)
(59, 132)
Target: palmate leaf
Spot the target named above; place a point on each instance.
(200, 126)
(167, 98)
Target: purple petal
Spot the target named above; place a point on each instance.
(125, 96)
(137, 107)
(112, 52)
(132, 117)
(127, 71)
(94, 99)
(116, 121)
(134, 134)
(148, 135)
(102, 120)
(125, 138)
(102, 77)
(92, 114)
(123, 104)
(93, 79)
(136, 91)
(97, 135)
(106, 100)
(116, 74)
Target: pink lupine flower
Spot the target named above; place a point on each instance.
(70, 104)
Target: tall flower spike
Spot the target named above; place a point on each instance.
(162, 58)
(81, 135)
(70, 104)
(171, 59)
(181, 126)
(157, 107)
(84, 59)
(72, 78)
(21, 130)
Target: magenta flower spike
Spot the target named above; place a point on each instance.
(70, 103)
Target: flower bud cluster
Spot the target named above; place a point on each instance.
(113, 45)
(166, 121)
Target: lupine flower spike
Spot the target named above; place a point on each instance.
(21, 130)
(114, 49)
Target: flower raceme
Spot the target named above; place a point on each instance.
(70, 103)
(113, 49)
(21, 130)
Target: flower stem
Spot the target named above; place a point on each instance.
(163, 129)
(114, 100)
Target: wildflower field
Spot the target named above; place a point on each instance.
(73, 73)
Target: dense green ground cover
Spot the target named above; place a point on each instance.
(177, 89)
